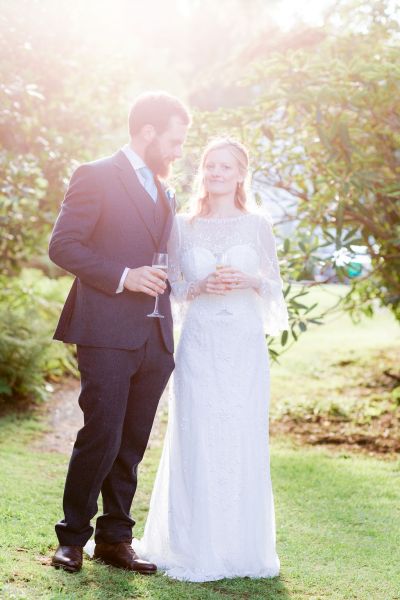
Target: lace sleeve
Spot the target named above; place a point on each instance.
(182, 290)
(270, 289)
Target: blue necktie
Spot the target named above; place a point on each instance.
(149, 183)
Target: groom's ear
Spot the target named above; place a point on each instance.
(148, 133)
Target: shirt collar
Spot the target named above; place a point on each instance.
(136, 161)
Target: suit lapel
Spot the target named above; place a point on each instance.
(136, 192)
(162, 196)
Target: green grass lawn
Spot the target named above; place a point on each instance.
(338, 514)
(338, 517)
(326, 368)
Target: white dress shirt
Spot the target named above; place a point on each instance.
(137, 163)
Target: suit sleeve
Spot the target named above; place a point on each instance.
(70, 241)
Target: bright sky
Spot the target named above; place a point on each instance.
(288, 11)
(153, 13)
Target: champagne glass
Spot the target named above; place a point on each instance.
(222, 261)
(160, 261)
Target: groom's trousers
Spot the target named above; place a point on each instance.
(120, 390)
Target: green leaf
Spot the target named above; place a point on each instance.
(310, 308)
(298, 304)
(350, 234)
(286, 245)
(5, 389)
(287, 290)
(303, 326)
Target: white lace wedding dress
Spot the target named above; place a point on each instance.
(211, 512)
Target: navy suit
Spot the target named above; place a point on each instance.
(108, 222)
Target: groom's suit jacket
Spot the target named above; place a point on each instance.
(108, 222)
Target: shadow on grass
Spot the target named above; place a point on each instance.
(100, 582)
(335, 517)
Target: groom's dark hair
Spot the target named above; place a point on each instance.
(156, 108)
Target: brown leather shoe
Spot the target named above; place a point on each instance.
(123, 556)
(68, 558)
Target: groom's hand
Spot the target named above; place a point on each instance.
(147, 280)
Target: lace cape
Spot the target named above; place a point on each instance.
(221, 235)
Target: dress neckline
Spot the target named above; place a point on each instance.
(220, 219)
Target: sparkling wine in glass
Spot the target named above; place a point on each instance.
(222, 260)
(160, 261)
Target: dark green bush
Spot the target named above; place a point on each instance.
(29, 308)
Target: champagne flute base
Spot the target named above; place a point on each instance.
(224, 312)
(156, 315)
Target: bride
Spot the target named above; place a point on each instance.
(211, 512)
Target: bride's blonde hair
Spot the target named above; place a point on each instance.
(200, 198)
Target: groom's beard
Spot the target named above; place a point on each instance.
(155, 161)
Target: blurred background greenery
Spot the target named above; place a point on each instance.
(313, 91)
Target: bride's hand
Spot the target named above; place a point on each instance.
(212, 285)
(233, 279)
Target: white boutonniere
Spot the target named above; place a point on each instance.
(170, 193)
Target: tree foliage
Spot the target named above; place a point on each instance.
(323, 125)
(318, 110)
(56, 109)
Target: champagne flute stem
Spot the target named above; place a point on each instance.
(156, 305)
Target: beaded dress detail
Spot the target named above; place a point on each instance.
(212, 513)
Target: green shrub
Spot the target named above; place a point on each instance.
(29, 308)
(22, 189)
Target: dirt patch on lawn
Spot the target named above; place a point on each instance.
(378, 436)
(361, 413)
(381, 436)
(64, 418)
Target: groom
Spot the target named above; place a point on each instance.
(115, 215)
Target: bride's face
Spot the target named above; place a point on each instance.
(221, 172)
